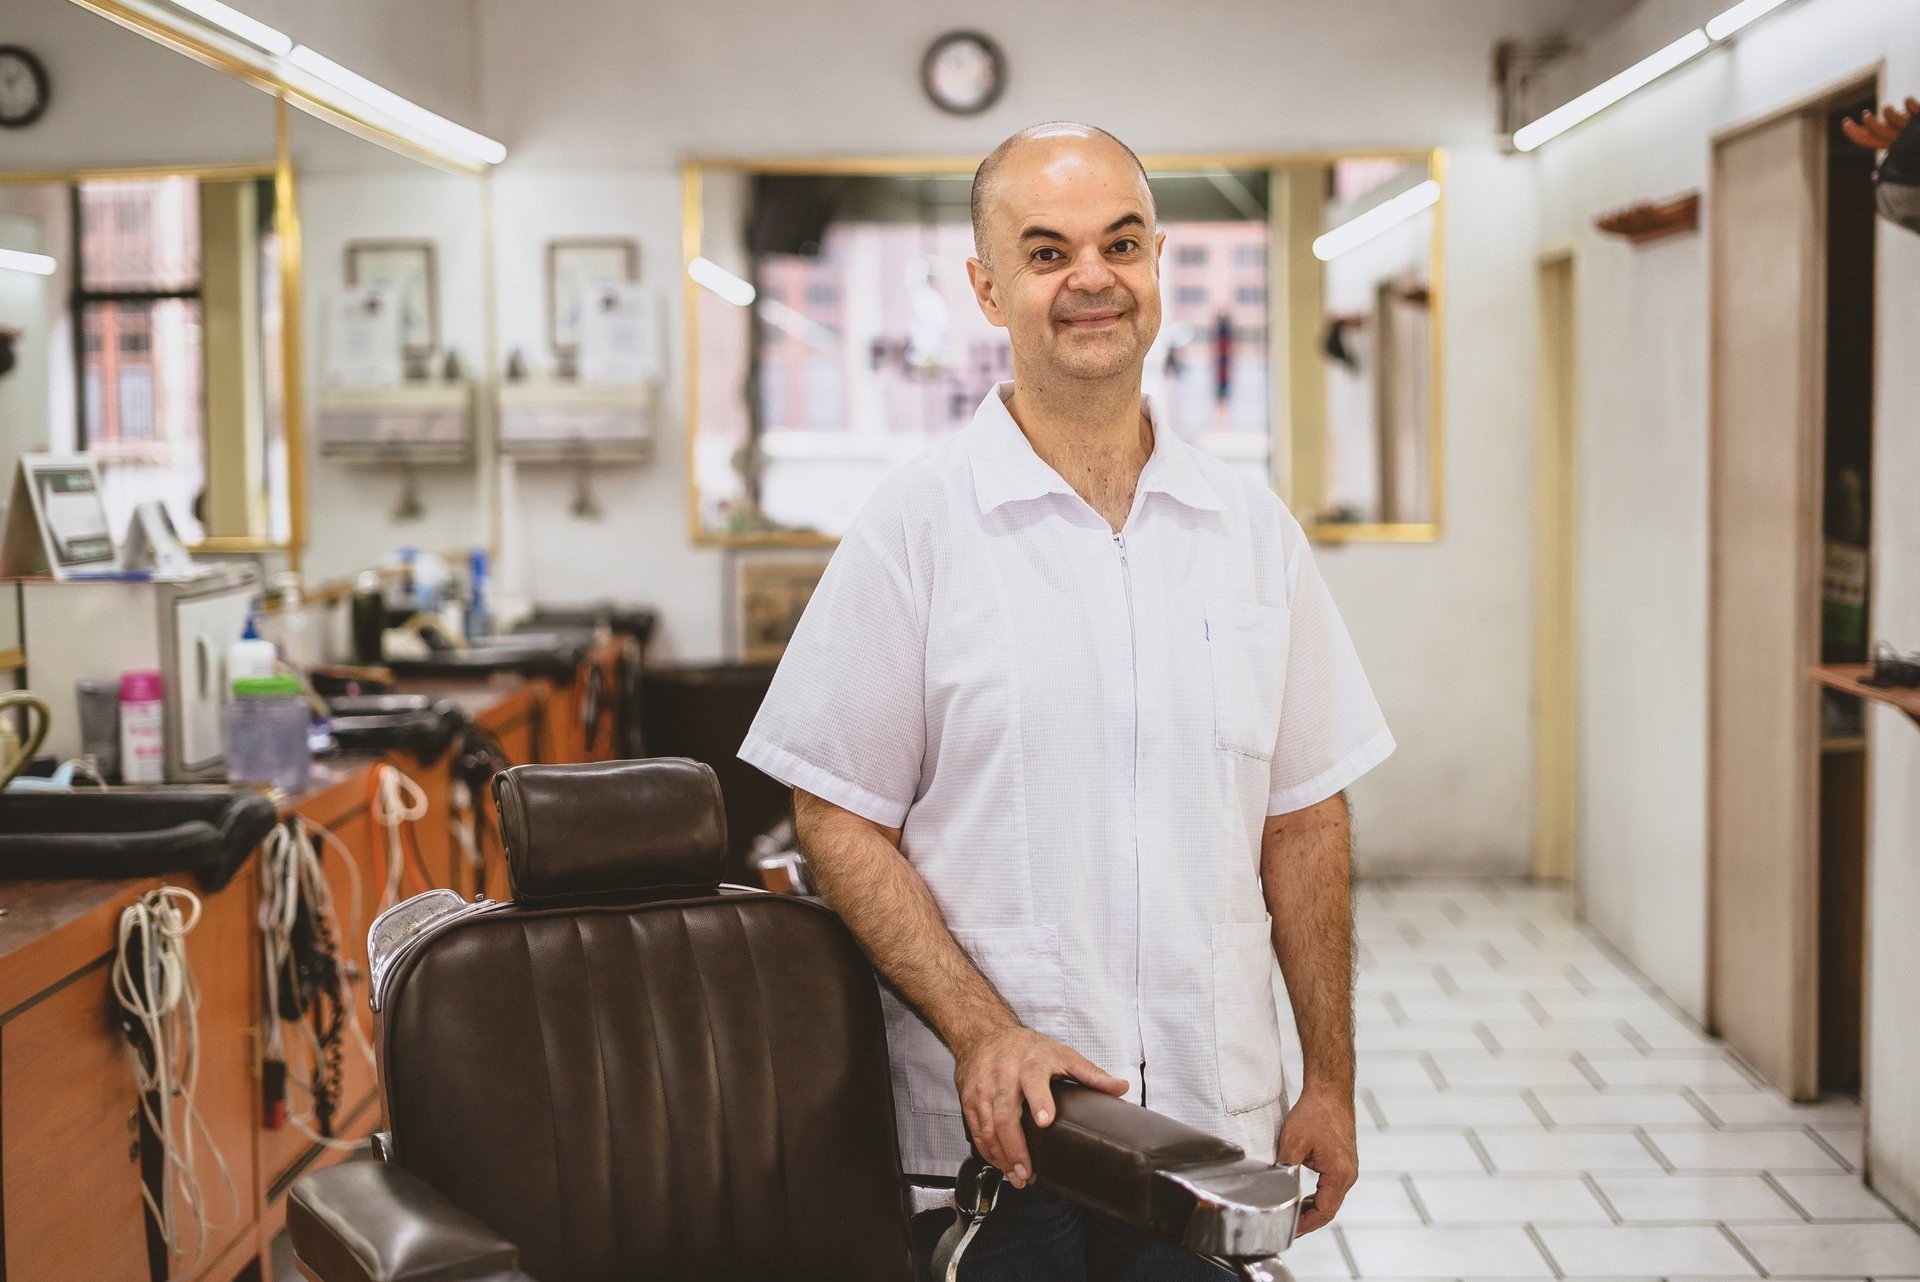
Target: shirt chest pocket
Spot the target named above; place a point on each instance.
(1247, 648)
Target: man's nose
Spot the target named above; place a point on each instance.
(1091, 273)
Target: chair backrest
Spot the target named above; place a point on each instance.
(633, 1073)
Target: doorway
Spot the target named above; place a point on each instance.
(1556, 567)
(1844, 608)
(1791, 350)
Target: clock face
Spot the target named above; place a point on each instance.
(23, 87)
(963, 73)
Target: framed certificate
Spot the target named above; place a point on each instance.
(406, 267)
(574, 269)
(771, 591)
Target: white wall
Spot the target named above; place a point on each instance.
(597, 127)
(1644, 379)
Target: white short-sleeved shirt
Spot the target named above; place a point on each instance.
(1080, 734)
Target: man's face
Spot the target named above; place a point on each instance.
(1075, 278)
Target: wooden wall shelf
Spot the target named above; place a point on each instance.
(1845, 677)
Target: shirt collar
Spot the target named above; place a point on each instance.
(1006, 469)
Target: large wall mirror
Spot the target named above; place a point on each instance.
(833, 335)
(142, 309)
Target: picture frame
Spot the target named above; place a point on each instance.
(409, 268)
(573, 267)
(771, 591)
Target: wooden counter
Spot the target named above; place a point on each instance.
(71, 1154)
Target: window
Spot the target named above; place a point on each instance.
(1249, 255)
(1190, 296)
(138, 302)
(1251, 295)
(1190, 256)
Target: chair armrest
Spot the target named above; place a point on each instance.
(376, 1222)
(1183, 1186)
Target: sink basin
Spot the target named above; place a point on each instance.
(132, 832)
(554, 654)
(384, 722)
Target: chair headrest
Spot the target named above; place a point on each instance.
(607, 829)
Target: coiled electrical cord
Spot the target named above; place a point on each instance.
(310, 985)
(155, 986)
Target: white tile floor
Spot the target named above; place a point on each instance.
(1531, 1108)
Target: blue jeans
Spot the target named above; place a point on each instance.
(1034, 1236)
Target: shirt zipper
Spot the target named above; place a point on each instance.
(1133, 655)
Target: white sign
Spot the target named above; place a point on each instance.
(363, 338)
(620, 336)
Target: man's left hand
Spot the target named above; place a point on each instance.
(1319, 1134)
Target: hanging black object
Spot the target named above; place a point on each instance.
(1897, 183)
(6, 352)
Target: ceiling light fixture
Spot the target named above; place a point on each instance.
(408, 112)
(711, 276)
(1604, 95)
(1382, 217)
(21, 261)
(233, 22)
(1748, 11)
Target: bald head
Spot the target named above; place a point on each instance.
(987, 178)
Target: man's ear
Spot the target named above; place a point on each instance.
(982, 281)
(1159, 249)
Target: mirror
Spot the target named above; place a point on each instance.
(1362, 238)
(396, 340)
(833, 335)
(147, 330)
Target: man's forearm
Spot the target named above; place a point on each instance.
(884, 901)
(1306, 867)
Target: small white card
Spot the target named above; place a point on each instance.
(363, 338)
(620, 336)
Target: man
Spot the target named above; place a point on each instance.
(1068, 717)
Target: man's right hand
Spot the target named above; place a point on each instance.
(996, 1073)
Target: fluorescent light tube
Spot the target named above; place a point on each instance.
(233, 22)
(459, 137)
(21, 261)
(1739, 16)
(1387, 214)
(1599, 98)
(712, 276)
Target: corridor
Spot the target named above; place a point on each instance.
(1529, 1107)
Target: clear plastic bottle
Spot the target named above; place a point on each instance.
(266, 733)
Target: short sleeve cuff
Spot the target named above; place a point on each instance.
(1284, 801)
(795, 772)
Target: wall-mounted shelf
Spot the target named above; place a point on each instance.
(414, 423)
(552, 421)
(1845, 677)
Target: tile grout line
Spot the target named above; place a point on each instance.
(1741, 1247)
(1846, 1164)
(1346, 1252)
(1540, 1245)
(1413, 1195)
(1606, 1203)
(1773, 1183)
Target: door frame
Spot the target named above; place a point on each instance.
(1797, 1076)
(1556, 775)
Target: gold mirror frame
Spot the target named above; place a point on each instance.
(1291, 453)
(287, 234)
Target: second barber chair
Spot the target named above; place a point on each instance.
(633, 1072)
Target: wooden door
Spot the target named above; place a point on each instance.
(1768, 355)
(1556, 590)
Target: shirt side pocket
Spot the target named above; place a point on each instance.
(1023, 965)
(1246, 1025)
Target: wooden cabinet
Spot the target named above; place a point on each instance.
(71, 1156)
(70, 1138)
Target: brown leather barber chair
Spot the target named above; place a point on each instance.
(631, 1072)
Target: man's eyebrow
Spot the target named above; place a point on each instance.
(1047, 233)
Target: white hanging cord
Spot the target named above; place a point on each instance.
(156, 987)
(293, 874)
(465, 821)
(397, 800)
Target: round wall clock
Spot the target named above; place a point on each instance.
(963, 73)
(23, 87)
